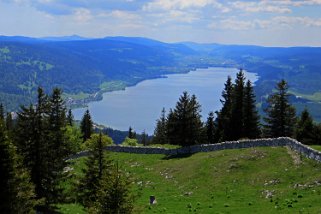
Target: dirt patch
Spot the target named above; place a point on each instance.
(295, 156)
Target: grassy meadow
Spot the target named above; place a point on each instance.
(256, 180)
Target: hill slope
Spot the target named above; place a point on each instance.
(257, 180)
(84, 68)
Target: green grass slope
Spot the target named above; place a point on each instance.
(256, 180)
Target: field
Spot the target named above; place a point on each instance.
(256, 180)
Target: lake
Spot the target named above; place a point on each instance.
(140, 106)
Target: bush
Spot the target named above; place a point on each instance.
(130, 142)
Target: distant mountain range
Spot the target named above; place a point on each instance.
(86, 67)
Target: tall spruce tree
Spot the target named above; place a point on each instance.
(31, 147)
(40, 141)
(1, 112)
(130, 132)
(210, 129)
(96, 165)
(57, 147)
(236, 123)
(7, 194)
(144, 140)
(171, 127)
(16, 191)
(70, 118)
(86, 126)
(280, 117)
(305, 130)
(251, 119)
(160, 133)
(9, 122)
(223, 118)
(185, 122)
(115, 194)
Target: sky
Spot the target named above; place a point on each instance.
(266, 22)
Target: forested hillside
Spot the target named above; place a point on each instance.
(84, 68)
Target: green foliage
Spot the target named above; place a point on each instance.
(130, 142)
(86, 126)
(223, 130)
(184, 125)
(115, 195)
(251, 119)
(73, 138)
(280, 117)
(16, 190)
(104, 188)
(96, 165)
(1, 112)
(90, 143)
(306, 131)
(238, 117)
(210, 128)
(160, 132)
(41, 141)
(144, 140)
(70, 118)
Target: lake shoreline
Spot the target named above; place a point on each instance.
(98, 96)
(140, 105)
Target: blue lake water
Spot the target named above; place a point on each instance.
(140, 106)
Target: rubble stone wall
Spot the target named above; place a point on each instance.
(265, 142)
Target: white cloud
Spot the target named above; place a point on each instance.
(166, 5)
(239, 25)
(121, 14)
(180, 16)
(261, 6)
(278, 22)
(82, 15)
(175, 4)
(294, 21)
(298, 3)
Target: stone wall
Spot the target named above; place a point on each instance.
(266, 142)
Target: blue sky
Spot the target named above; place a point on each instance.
(266, 22)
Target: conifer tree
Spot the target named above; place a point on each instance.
(86, 126)
(210, 128)
(7, 193)
(9, 122)
(305, 130)
(131, 133)
(115, 194)
(251, 120)
(144, 139)
(30, 147)
(96, 165)
(223, 118)
(171, 127)
(185, 122)
(57, 149)
(280, 117)
(1, 112)
(40, 141)
(236, 123)
(16, 191)
(70, 118)
(160, 132)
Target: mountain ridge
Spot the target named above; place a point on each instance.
(86, 66)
